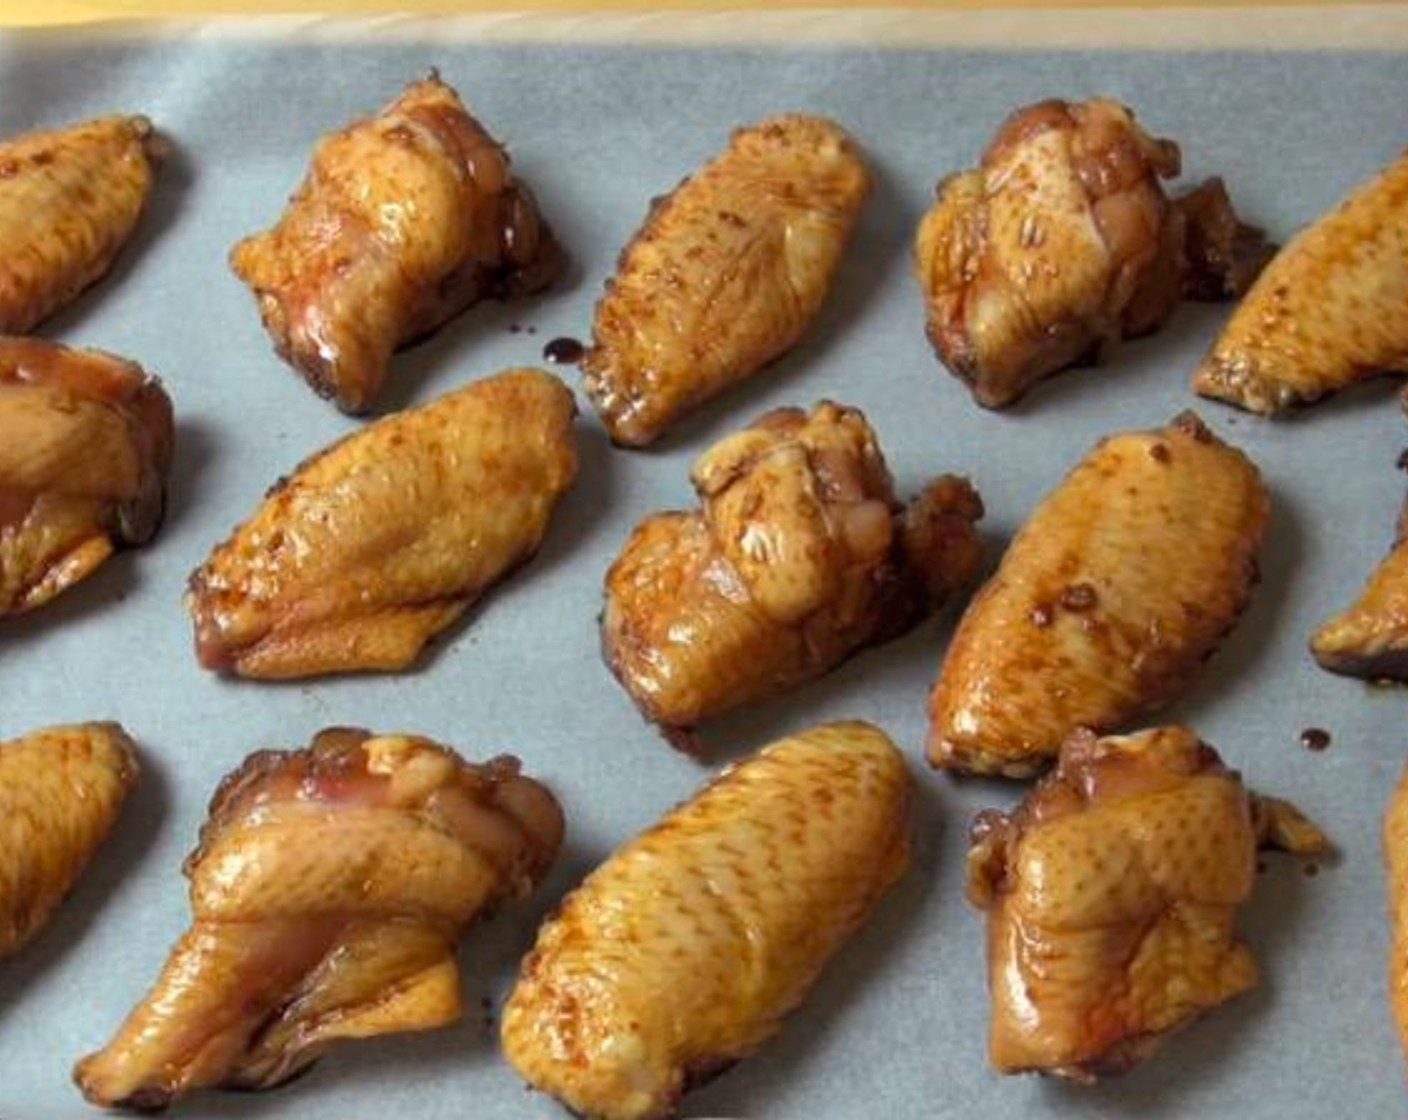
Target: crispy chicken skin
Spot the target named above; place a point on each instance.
(1062, 242)
(725, 275)
(1395, 843)
(1111, 894)
(69, 200)
(404, 220)
(798, 556)
(1328, 310)
(328, 890)
(1370, 637)
(60, 792)
(83, 464)
(683, 952)
(386, 537)
(1120, 584)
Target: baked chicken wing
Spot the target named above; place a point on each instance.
(404, 220)
(1111, 896)
(1062, 242)
(1120, 584)
(83, 464)
(799, 556)
(1370, 637)
(682, 953)
(69, 200)
(328, 890)
(60, 792)
(1327, 312)
(1395, 843)
(725, 275)
(380, 541)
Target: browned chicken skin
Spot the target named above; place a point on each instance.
(1062, 242)
(404, 220)
(1112, 894)
(83, 464)
(382, 540)
(1119, 585)
(329, 888)
(799, 556)
(1370, 637)
(1395, 847)
(725, 275)
(69, 200)
(683, 952)
(60, 792)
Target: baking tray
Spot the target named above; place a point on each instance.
(896, 1027)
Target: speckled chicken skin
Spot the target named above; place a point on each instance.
(1328, 310)
(725, 275)
(1111, 896)
(404, 220)
(70, 199)
(799, 556)
(1395, 851)
(61, 789)
(683, 952)
(386, 537)
(83, 465)
(1119, 585)
(328, 890)
(1369, 638)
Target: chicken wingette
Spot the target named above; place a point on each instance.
(1395, 850)
(1119, 585)
(69, 200)
(60, 792)
(328, 890)
(1062, 242)
(83, 464)
(682, 953)
(404, 220)
(1370, 637)
(799, 556)
(1112, 893)
(386, 537)
(725, 275)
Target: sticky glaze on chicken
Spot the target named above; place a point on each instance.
(1370, 637)
(1395, 851)
(1062, 242)
(69, 200)
(725, 275)
(1117, 588)
(380, 541)
(405, 220)
(683, 952)
(1111, 896)
(328, 891)
(83, 464)
(799, 556)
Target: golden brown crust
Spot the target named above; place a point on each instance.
(1369, 638)
(1395, 852)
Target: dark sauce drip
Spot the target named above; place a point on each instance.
(564, 351)
(1402, 461)
(1315, 738)
(1310, 870)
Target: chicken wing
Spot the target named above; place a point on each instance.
(60, 792)
(1111, 896)
(1120, 584)
(1395, 844)
(682, 953)
(328, 889)
(83, 465)
(799, 556)
(380, 541)
(404, 220)
(725, 275)
(1062, 242)
(1370, 637)
(69, 200)
(1327, 312)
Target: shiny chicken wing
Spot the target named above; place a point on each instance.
(1395, 849)
(1369, 638)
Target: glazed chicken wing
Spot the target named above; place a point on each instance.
(798, 557)
(1370, 637)
(682, 953)
(1062, 242)
(60, 792)
(1119, 585)
(1395, 844)
(725, 275)
(380, 541)
(69, 200)
(83, 465)
(1111, 896)
(328, 890)
(404, 220)
(1327, 312)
